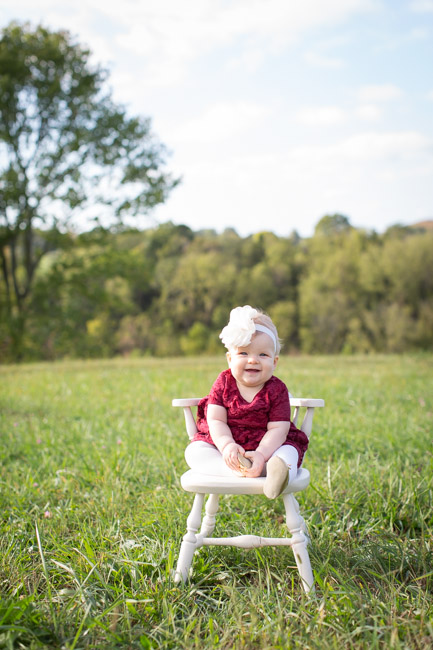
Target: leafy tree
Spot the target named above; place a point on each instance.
(285, 313)
(332, 224)
(199, 284)
(81, 296)
(135, 335)
(197, 339)
(65, 149)
(397, 280)
(330, 295)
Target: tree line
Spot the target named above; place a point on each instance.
(168, 290)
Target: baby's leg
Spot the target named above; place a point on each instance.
(206, 459)
(290, 456)
(280, 469)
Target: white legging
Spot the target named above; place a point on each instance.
(206, 459)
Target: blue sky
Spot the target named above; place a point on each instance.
(276, 111)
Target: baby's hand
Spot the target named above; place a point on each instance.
(258, 463)
(230, 455)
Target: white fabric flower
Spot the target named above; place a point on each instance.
(240, 328)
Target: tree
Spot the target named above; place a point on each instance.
(65, 149)
(330, 295)
(332, 224)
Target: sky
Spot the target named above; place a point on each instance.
(275, 112)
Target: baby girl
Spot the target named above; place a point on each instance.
(243, 425)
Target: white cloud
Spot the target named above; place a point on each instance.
(379, 93)
(368, 147)
(323, 61)
(384, 146)
(43, 5)
(321, 115)
(250, 60)
(418, 33)
(220, 122)
(170, 34)
(371, 177)
(369, 112)
(401, 40)
(421, 6)
(372, 99)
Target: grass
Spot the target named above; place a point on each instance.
(92, 513)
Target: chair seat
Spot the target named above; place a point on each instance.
(205, 484)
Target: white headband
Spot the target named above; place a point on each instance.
(241, 327)
(266, 330)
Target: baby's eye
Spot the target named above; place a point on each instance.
(243, 354)
(263, 354)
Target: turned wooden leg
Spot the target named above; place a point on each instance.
(296, 524)
(189, 543)
(211, 509)
(303, 524)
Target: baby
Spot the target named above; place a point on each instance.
(243, 425)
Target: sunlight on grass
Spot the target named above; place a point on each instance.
(93, 513)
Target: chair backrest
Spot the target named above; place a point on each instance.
(295, 402)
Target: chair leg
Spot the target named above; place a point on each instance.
(211, 509)
(304, 527)
(296, 524)
(189, 542)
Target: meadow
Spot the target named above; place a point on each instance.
(92, 512)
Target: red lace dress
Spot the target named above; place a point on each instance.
(248, 421)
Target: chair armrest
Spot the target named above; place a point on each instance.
(310, 404)
(306, 402)
(191, 401)
(186, 404)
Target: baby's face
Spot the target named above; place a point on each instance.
(253, 364)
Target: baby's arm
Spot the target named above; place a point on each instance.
(222, 436)
(274, 437)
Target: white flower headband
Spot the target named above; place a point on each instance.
(241, 327)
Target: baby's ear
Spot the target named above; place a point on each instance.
(228, 357)
(276, 361)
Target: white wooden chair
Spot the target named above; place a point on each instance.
(202, 484)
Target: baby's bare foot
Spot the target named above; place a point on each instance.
(277, 477)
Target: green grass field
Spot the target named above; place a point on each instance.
(92, 512)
